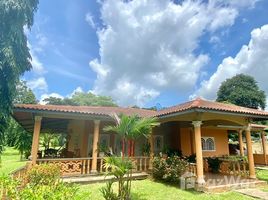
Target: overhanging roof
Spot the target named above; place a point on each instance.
(24, 113)
(211, 106)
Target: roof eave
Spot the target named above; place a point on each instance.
(203, 110)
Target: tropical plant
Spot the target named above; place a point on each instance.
(15, 135)
(45, 174)
(13, 189)
(14, 53)
(130, 128)
(169, 169)
(23, 142)
(214, 164)
(121, 169)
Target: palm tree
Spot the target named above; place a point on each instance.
(131, 128)
(119, 168)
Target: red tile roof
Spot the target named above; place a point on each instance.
(94, 110)
(210, 105)
(108, 111)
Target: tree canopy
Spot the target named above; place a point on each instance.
(15, 135)
(242, 90)
(15, 15)
(82, 99)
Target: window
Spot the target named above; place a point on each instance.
(158, 143)
(208, 143)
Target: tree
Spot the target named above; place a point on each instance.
(242, 90)
(23, 142)
(15, 57)
(15, 135)
(82, 99)
(24, 95)
(131, 128)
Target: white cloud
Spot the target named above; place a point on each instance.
(38, 84)
(76, 90)
(148, 46)
(252, 59)
(90, 20)
(44, 96)
(38, 67)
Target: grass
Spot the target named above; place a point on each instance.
(10, 160)
(262, 174)
(141, 190)
(150, 190)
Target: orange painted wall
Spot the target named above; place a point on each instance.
(220, 137)
(259, 159)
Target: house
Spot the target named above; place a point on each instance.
(196, 127)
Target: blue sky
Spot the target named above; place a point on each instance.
(146, 52)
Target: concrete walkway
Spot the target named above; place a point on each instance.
(100, 178)
(255, 193)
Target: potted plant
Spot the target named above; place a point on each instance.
(214, 164)
(145, 149)
(165, 151)
(102, 149)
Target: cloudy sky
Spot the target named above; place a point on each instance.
(146, 52)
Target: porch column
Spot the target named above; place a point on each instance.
(250, 154)
(264, 147)
(151, 140)
(35, 142)
(241, 145)
(198, 149)
(95, 146)
(85, 139)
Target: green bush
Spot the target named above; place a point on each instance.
(191, 158)
(214, 164)
(45, 174)
(11, 189)
(169, 169)
(107, 191)
(43, 183)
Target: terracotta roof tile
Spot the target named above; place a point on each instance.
(95, 110)
(210, 105)
(108, 111)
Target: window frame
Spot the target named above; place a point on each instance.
(206, 145)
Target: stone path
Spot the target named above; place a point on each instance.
(255, 193)
(99, 178)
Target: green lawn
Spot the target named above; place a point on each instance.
(262, 174)
(141, 190)
(150, 190)
(10, 161)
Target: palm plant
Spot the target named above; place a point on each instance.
(131, 128)
(119, 168)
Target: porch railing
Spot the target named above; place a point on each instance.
(191, 168)
(19, 173)
(230, 167)
(82, 166)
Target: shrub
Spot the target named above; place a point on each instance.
(45, 174)
(107, 191)
(169, 169)
(191, 158)
(214, 164)
(121, 169)
(10, 189)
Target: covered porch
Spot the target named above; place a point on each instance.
(86, 144)
(197, 128)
